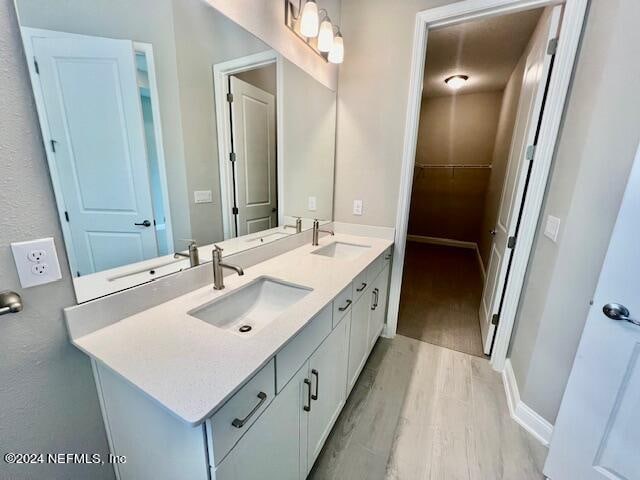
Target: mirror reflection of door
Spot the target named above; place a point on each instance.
(100, 118)
(253, 134)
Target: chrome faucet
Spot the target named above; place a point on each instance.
(297, 226)
(316, 231)
(193, 256)
(218, 265)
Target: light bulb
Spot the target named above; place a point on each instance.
(336, 54)
(325, 37)
(309, 19)
(457, 81)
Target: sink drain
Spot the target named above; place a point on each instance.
(245, 328)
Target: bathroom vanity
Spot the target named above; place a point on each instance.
(248, 381)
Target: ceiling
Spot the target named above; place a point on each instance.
(486, 50)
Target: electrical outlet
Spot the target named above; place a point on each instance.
(39, 269)
(312, 204)
(357, 207)
(36, 255)
(36, 262)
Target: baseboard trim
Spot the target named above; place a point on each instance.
(442, 241)
(528, 419)
(481, 264)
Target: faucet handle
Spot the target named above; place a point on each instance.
(217, 248)
(190, 241)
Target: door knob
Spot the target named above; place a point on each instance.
(146, 223)
(616, 311)
(10, 302)
(493, 232)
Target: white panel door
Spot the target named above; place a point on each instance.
(378, 307)
(530, 104)
(94, 116)
(253, 120)
(597, 433)
(358, 337)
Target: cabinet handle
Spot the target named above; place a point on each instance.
(375, 301)
(387, 257)
(240, 423)
(362, 287)
(342, 309)
(307, 408)
(315, 372)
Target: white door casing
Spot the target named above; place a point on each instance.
(94, 117)
(253, 120)
(530, 105)
(597, 433)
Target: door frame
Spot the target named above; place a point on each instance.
(465, 10)
(221, 72)
(27, 34)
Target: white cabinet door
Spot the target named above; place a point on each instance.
(270, 449)
(328, 375)
(378, 306)
(358, 337)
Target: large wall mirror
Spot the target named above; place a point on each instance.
(166, 123)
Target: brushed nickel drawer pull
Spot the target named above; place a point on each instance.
(240, 423)
(307, 407)
(362, 287)
(315, 372)
(342, 309)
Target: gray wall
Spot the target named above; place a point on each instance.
(594, 156)
(48, 400)
(454, 129)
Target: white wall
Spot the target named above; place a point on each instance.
(265, 19)
(48, 400)
(598, 141)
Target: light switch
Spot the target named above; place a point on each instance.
(312, 204)
(552, 227)
(36, 262)
(202, 196)
(357, 207)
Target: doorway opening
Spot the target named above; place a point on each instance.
(248, 117)
(481, 108)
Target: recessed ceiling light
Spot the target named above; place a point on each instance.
(456, 81)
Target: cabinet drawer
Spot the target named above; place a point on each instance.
(236, 416)
(360, 284)
(342, 304)
(300, 347)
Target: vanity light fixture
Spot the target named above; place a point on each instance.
(313, 26)
(456, 81)
(309, 19)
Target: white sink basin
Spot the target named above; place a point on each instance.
(250, 308)
(347, 251)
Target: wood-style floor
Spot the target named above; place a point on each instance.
(441, 289)
(422, 412)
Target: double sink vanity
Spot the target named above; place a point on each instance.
(244, 382)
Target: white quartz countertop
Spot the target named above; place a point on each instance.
(191, 367)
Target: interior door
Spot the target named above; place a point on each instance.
(253, 125)
(597, 433)
(530, 104)
(94, 115)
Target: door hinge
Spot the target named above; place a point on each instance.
(36, 66)
(232, 157)
(495, 319)
(234, 210)
(53, 145)
(531, 151)
(230, 97)
(66, 216)
(552, 46)
(511, 242)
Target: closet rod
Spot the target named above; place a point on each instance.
(453, 165)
